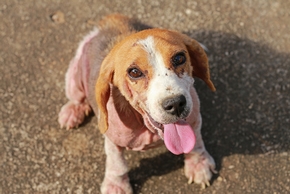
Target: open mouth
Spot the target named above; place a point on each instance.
(178, 136)
(154, 125)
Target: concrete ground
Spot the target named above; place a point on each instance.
(246, 121)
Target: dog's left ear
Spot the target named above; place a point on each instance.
(199, 61)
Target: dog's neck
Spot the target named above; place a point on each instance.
(123, 117)
(126, 112)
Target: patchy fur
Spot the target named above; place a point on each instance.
(139, 82)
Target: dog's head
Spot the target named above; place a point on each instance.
(154, 70)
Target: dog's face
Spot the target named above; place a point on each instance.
(153, 69)
(161, 78)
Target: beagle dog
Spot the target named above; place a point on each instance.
(139, 82)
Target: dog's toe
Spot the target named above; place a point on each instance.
(199, 168)
(118, 185)
(72, 115)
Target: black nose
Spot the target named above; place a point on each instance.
(174, 105)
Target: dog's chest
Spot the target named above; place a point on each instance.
(127, 129)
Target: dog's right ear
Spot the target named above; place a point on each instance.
(102, 92)
(199, 61)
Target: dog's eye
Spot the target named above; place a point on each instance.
(135, 73)
(178, 59)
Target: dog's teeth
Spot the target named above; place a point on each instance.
(87, 112)
(190, 180)
(203, 186)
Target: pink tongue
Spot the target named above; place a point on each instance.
(179, 137)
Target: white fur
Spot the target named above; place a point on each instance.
(164, 83)
(116, 178)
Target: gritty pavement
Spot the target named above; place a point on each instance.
(245, 122)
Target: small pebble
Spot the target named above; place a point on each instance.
(57, 17)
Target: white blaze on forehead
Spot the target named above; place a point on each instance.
(164, 82)
(154, 57)
(148, 44)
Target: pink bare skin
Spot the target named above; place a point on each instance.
(74, 111)
(127, 128)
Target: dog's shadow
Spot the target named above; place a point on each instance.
(248, 114)
(154, 166)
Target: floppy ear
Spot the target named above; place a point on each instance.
(102, 91)
(199, 61)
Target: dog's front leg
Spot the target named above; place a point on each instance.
(116, 176)
(199, 165)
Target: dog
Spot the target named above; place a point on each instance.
(138, 81)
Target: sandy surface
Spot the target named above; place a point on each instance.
(246, 122)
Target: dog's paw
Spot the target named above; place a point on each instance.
(199, 167)
(72, 115)
(116, 185)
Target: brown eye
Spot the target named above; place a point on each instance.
(135, 73)
(178, 59)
